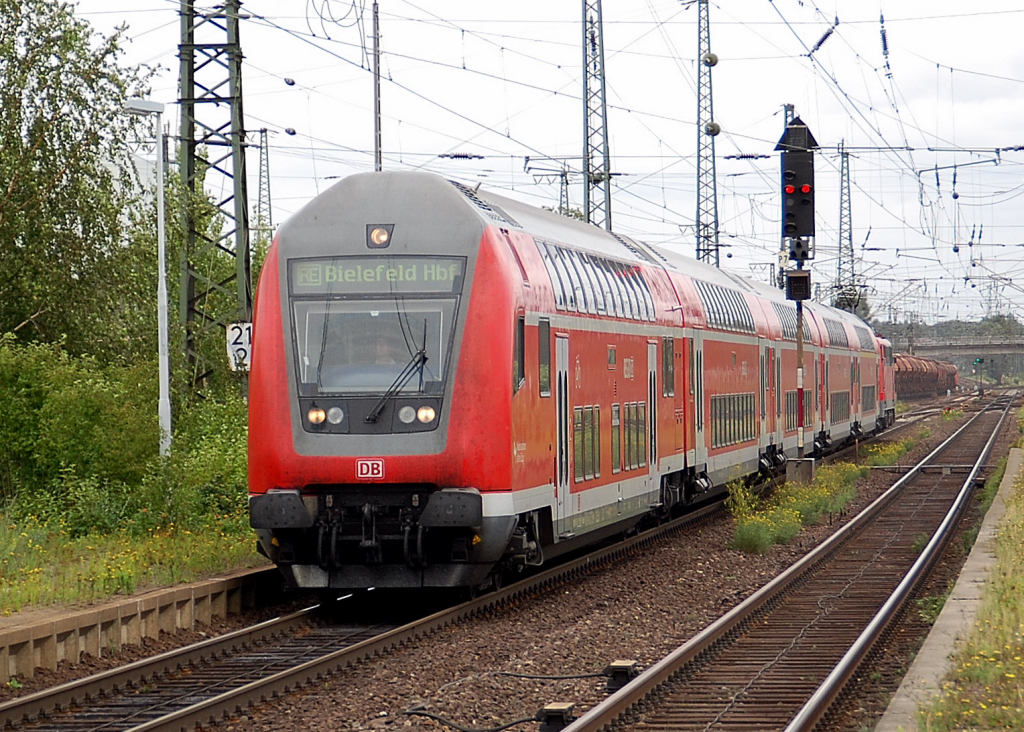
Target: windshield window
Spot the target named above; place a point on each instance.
(361, 346)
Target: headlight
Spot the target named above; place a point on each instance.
(407, 414)
(426, 415)
(335, 415)
(316, 415)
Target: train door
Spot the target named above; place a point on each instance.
(827, 393)
(855, 393)
(764, 362)
(780, 423)
(562, 451)
(701, 461)
(652, 401)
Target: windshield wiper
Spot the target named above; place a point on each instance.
(415, 365)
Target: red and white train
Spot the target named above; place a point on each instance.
(447, 383)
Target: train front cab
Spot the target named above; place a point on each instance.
(359, 475)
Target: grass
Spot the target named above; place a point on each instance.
(41, 564)
(930, 607)
(985, 687)
(888, 453)
(760, 524)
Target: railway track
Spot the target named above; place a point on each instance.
(202, 683)
(205, 682)
(780, 659)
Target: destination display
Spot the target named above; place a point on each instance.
(376, 275)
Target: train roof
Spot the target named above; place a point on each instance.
(429, 195)
(575, 233)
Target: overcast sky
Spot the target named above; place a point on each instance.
(503, 81)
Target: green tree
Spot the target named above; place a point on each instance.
(67, 272)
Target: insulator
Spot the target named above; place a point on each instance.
(823, 39)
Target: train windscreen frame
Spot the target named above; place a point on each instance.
(359, 321)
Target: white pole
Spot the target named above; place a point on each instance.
(144, 106)
(164, 403)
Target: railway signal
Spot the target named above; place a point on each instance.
(797, 181)
(797, 146)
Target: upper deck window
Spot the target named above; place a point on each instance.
(588, 283)
(836, 333)
(725, 308)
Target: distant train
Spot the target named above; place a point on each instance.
(918, 377)
(448, 384)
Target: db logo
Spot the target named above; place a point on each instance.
(367, 469)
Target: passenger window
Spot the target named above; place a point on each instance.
(556, 279)
(544, 356)
(577, 444)
(618, 294)
(590, 270)
(588, 442)
(584, 298)
(518, 356)
(642, 434)
(632, 308)
(616, 440)
(668, 367)
(565, 277)
(611, 297)
(630, 437)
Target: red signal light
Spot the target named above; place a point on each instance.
(805, 188)
(790, 190)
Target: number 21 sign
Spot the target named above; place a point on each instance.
(239, 346)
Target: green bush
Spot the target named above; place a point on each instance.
(759, 524)
(79, 447)
(63, 413)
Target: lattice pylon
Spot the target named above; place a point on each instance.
(707, 128)
(597, 176)
(212, 161)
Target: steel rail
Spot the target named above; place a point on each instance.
(285, 682)
(829, 689)
(45, 702)
(636, 694)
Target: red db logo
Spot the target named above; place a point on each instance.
(367, 469)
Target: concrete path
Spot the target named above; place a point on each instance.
(923, 682)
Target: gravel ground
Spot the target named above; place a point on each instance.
(485, 672)
(641, 610)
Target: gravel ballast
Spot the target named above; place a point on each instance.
(485, 672)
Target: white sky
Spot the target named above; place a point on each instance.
(503, 80)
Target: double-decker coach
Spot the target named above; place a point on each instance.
(448, 384)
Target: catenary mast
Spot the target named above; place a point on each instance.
(597, 176)
(212, 151)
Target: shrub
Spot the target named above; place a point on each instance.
(792, 506)
(887, 453)
(742, 500)
(753, 534)
(61, 412)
